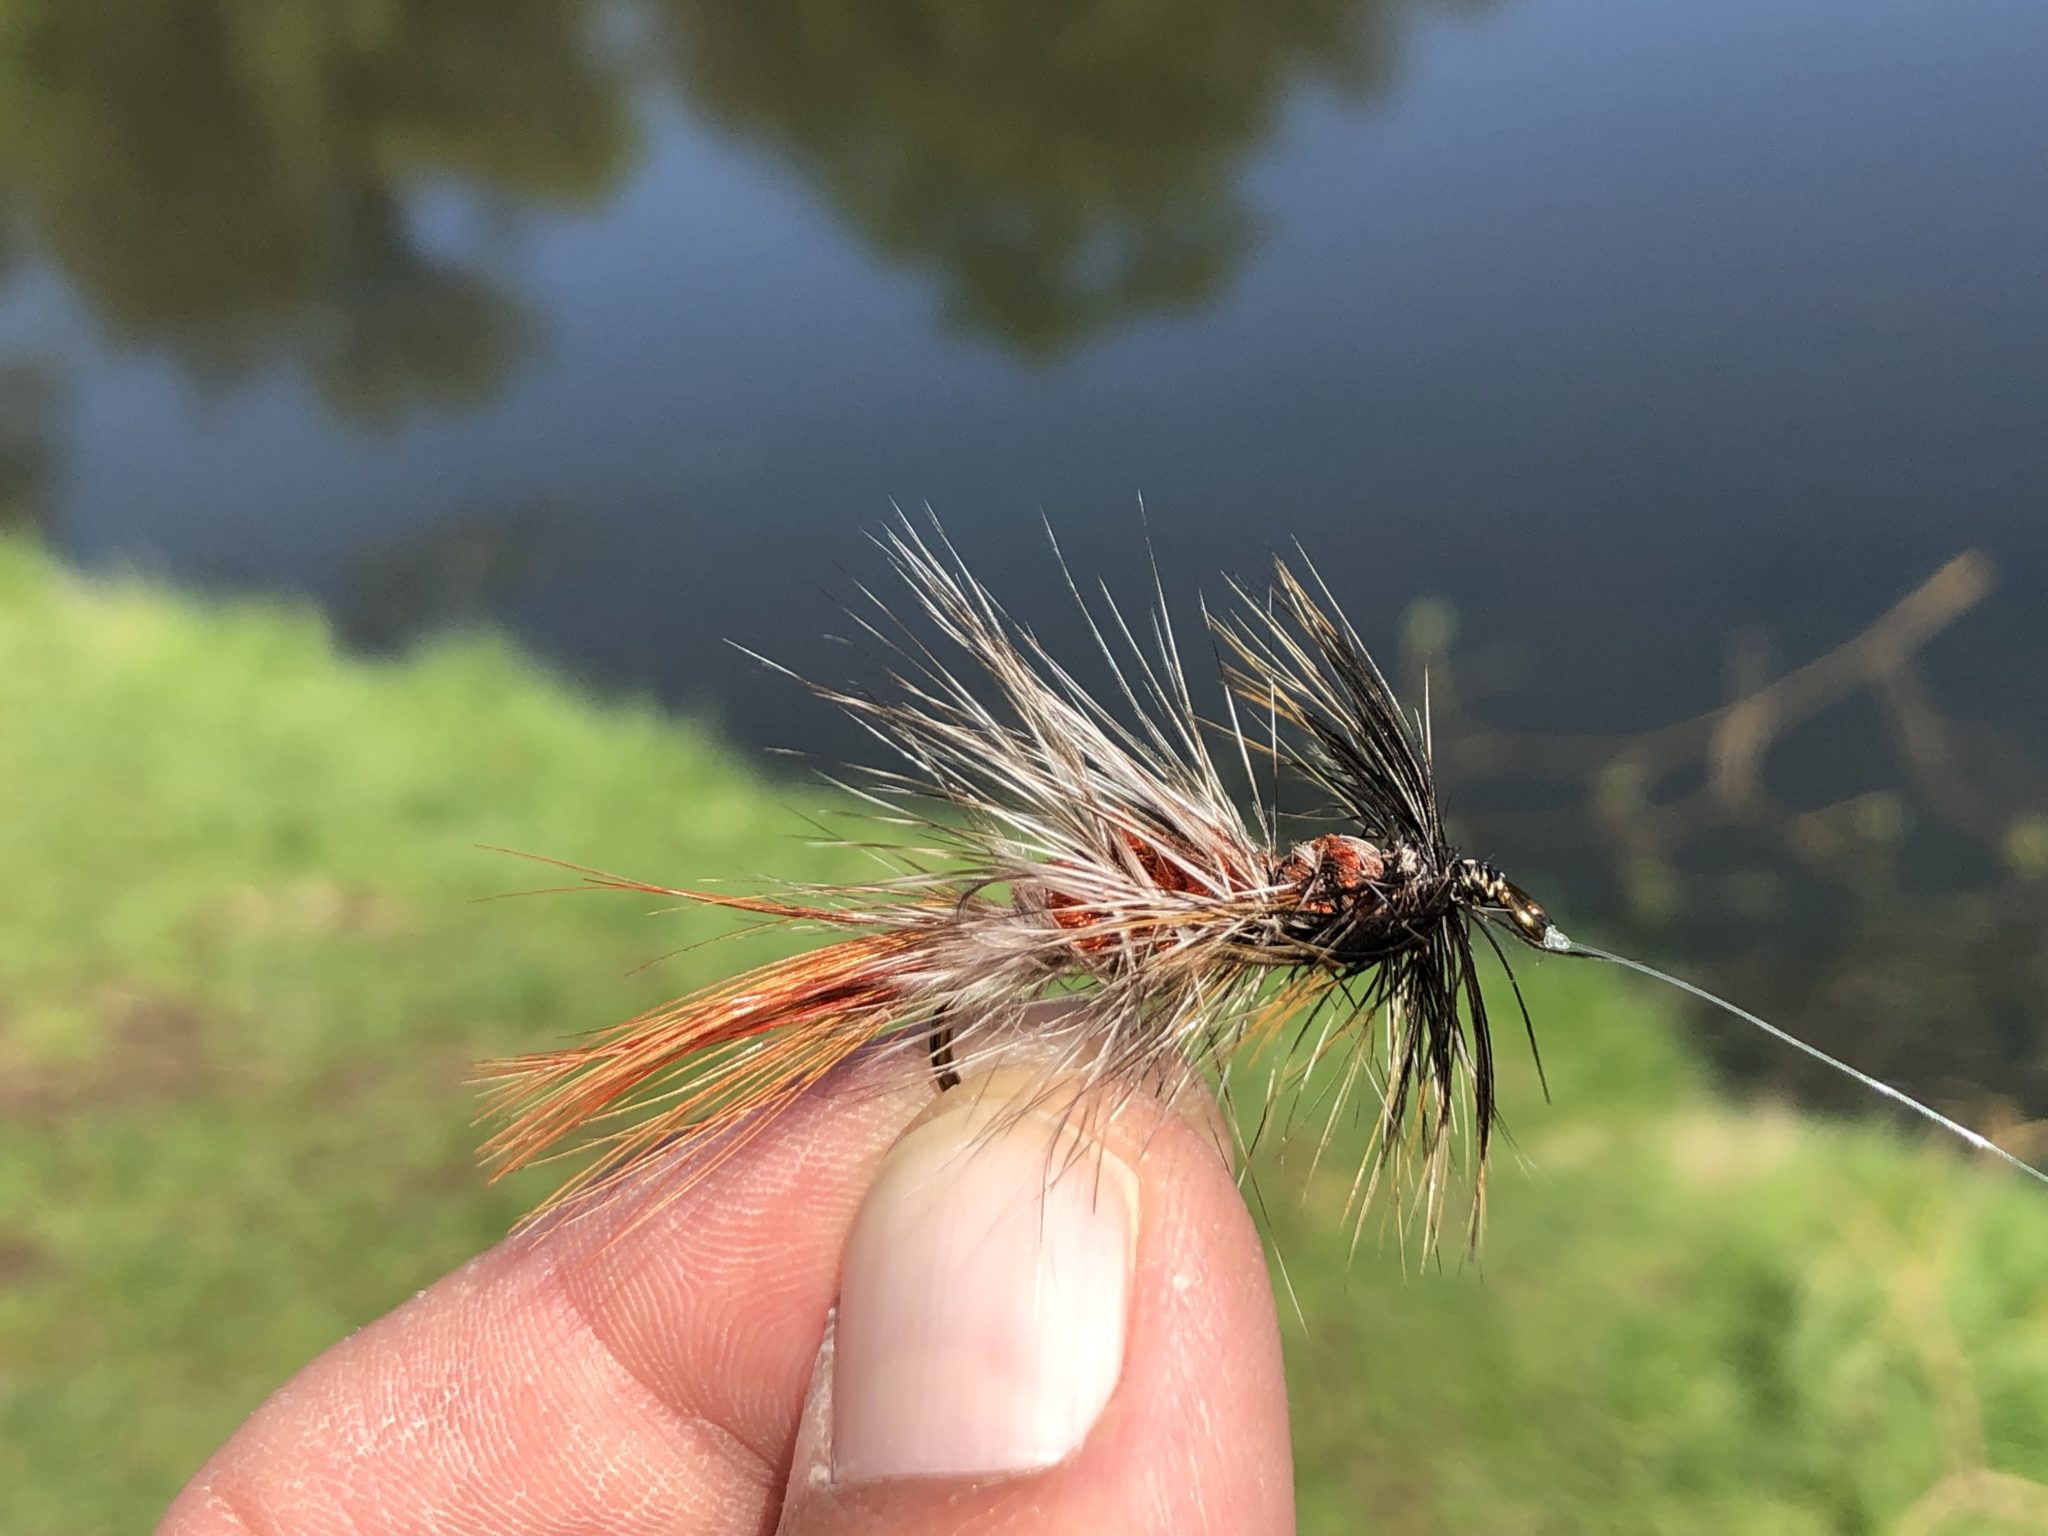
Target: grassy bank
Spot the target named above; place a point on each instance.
(242, 976)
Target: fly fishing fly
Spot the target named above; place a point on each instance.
(1073, 848)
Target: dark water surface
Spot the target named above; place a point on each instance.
(1661, 347)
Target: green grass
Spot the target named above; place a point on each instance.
(242, 976)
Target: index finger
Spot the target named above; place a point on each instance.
(656, 1389)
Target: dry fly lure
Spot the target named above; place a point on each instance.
(1097, 853)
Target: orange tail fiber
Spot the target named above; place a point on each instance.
(705, 1073)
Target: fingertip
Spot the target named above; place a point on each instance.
(1094, 1350)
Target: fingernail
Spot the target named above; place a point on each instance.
(982, 1307)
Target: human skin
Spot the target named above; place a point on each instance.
(892, 1311)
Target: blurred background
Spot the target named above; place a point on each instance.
(401, 405)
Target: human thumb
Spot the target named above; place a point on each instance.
(1051, 1318)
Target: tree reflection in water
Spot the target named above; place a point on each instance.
(228, 184)
(1058, 168)
(234, 184)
